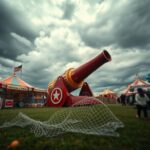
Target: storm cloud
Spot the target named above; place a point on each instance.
(48, 37)
(125, 24)
(14, 22)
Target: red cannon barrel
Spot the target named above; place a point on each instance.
(74, 77)
(86, 69)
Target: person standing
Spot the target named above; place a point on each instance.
(123, 99)
(141, 103)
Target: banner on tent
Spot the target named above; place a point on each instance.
(9, 103)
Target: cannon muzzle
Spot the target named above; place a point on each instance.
(86, 69)
(74, 77)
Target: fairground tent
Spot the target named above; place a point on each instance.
(108, 96)
(15, 83)
(15, 92)
(136, 84)
(107, 91)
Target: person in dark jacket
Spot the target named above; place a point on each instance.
(123, 99)
(141, 103)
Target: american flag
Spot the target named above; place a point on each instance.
(19, 68)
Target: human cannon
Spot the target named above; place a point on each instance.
(59, 90)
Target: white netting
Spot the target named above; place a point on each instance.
(80, 118)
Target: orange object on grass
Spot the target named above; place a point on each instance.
(14, 144)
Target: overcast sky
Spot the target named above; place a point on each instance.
(49, 36)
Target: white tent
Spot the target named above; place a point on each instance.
(136, 84)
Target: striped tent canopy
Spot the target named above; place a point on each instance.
(107, 91)
(136, 84)
(14, 82)
(139, 82)
(109, 94)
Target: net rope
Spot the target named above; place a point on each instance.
(79, 118)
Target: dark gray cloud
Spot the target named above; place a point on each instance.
(72, 33)
(132, 27)
(38, 79)
(126, 25)
(6, 62)
(13, 21)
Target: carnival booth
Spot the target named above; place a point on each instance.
(17, 93)
(108, 96)
(38, 98)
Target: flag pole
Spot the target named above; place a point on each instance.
(14, 73)
(21, 73)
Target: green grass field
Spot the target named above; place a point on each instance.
(134, 136)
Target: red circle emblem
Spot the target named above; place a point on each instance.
(56, 95)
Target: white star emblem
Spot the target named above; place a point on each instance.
(56, 94)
